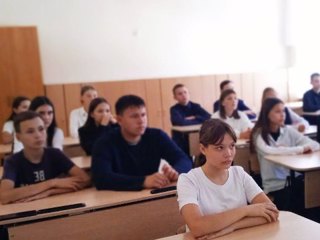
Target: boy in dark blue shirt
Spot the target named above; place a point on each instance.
(185, 113)
(311, 99)
(33, 172)
(128, 158)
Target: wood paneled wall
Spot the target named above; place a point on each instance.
(158, 93)
(20, 68)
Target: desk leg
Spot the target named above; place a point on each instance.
(312, 190)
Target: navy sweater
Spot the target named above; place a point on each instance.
(179, 112)
(117, 165)
(90, 134)
(311, 101)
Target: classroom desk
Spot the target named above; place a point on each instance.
(83, 162)
(309, 164)
(290, 226)
(107, 215)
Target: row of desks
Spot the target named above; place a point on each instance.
(106, 215)
(290, 226)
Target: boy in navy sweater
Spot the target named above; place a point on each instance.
(185, 113)
(128, 158)
(35, 172)
(311, 99)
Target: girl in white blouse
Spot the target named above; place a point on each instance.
(228, 112)
(45, 108)
(19, 104)
(213, 198)
(271, 136)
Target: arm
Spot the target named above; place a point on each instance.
(309, 104)
(173, 154)
(103, 174)
(7, 132)
(57, 141)
(178, 119)
(73, 124)
(244, 108)
(201, 114)
(86, 141)
(7, 138)
(82, 177)
(297, 120)
(10, 194)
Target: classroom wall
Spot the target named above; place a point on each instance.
(107, 40)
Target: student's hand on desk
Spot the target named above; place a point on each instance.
(170, 173)
(156, 180)
(267, 210)
(306, 149)
(73, 183)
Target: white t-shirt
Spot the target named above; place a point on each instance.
(238, 125)
(9, 128)
(78, 117)
(194, 187)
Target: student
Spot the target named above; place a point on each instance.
(19, 104)
(228, 112)
(45, 108)
(79, 116)
(34, 172)
(271, 136)
(213, 198)
(128, 158)
(291, 118)
(99, 122)
(311, 98)
(228, 84)
(185, 113)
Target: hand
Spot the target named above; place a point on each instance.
(220, 233)
(301, 128)
(112, 119)
(267, 210)
(307, 149)
(44, 194)
(156, 180)
(245, 134)
(73, 183)
(170, 173)
(105, 120)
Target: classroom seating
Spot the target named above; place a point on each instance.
(106, 215)
(290, 226)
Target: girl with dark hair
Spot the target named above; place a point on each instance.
(271, 136)
(213, 199)
(291, 117)
(19, 104)
(99, 121)
(228, 112)
(45, 108)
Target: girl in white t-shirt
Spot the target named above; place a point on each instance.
(228, 112)
(45, 108)
(213, 199)
(19, 104)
